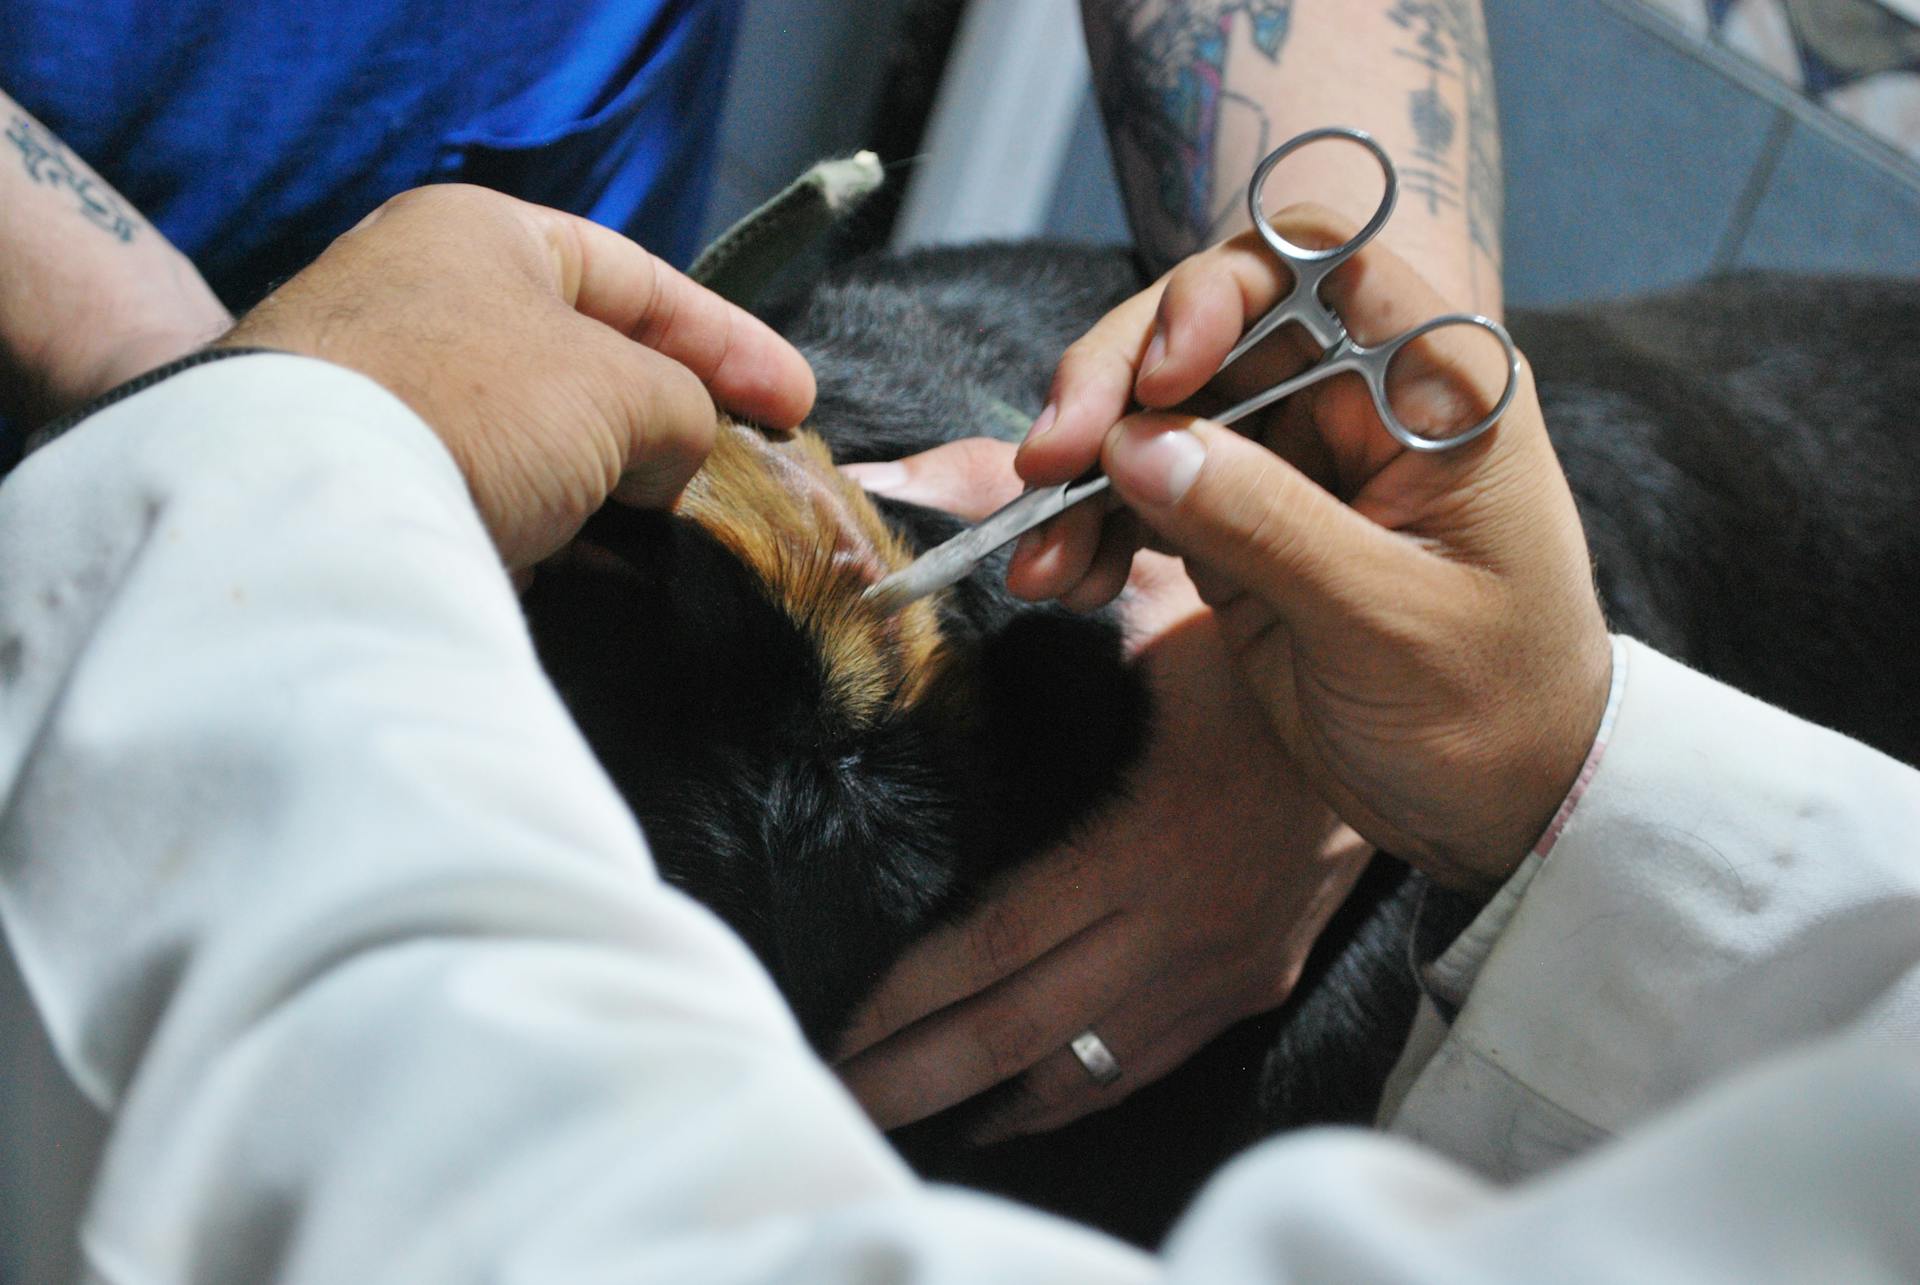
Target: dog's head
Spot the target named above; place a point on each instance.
(832, 780)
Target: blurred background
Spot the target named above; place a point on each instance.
(1648, 142)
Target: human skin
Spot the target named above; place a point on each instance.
(561, 363)
(1193, 92)
(1419, 634)
(91, 294)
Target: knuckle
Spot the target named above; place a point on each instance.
(1202, 279)
(1078, 358)
(1274, 987)
(1092, 362)
(1041, 1095)
(662, 314)
(724, 345)
(439, 196)
(1257, 520)
(1100, 586)
(688, 439)
(1315, 226)
(412, 198)
(1273, 540)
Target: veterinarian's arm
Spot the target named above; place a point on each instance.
(1195, 92)
(90, 293)
(323, 900)
(351, 940)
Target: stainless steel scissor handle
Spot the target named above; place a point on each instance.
(1340, 352)
(953, 560)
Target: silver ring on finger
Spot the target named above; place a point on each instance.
(1103, 1068)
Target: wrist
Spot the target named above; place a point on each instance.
(1551, 769)
(53, 371)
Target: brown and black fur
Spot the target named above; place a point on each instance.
(835, 784)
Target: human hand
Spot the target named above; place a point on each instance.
(1181, 909)
(1421, 629)
(558, 361)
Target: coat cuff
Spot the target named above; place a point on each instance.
(1729, 877)
(47, 432)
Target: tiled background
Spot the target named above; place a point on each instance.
(1641, 153)
(1858, 58)
(1649, 142)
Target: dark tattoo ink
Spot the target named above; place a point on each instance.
(1169, 92)
(1434, 123)
(48, 162)
(1446, 37)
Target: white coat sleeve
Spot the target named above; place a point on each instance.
(324, 902)
(1733, 883)
(326, 907)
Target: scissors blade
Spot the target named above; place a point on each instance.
(951, 562)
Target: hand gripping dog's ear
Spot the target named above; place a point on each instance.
(832, 780)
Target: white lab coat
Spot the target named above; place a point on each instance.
(345, 940)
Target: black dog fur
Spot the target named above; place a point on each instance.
(1743, 453)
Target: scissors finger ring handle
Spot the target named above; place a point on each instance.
(1299, 254)
(1376, 365)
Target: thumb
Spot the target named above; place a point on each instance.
(661, 415)
(969, 478)
(1249, 516)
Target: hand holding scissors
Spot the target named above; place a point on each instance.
(1417, 422)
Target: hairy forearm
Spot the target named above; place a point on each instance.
(1195, 91)
(90, 293)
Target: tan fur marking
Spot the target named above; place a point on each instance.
(816, 543)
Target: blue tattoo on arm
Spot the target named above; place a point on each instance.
(47, 162)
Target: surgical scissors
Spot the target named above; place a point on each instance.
(1302, 305)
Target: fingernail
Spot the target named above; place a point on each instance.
(883, 478)
(1156, 465)
(1044, 422)
(1156, 353)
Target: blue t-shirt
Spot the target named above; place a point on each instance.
(253, 133)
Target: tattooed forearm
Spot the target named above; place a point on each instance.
(48, 162)
(1165, 89)
(1195, 92)
(1448, 39)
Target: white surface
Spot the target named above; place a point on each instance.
(1000, 126)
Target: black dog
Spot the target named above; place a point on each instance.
(834, 784)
